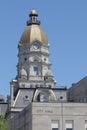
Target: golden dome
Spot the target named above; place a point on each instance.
(33, 31)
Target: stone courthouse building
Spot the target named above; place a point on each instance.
(35, 101)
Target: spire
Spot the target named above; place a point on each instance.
(33, 18)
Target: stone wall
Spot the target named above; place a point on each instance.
(39, 116)
(3, 108)
(78, 91)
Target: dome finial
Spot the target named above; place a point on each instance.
(33, 18)
(33, 13)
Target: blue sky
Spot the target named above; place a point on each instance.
(65, 23)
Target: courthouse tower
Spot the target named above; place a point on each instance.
(35, 101)
(33, 58)
(34, 80)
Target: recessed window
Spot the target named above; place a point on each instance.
(55, 125)
(36, 70)
(69, 125)
(44, 98)
(86, 125)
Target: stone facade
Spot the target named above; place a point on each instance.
(78, 91)
(36, 103)
(3, 105)
(3, 108)
(39, 116)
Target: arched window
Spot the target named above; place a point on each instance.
(44, 95)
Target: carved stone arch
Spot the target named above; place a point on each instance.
(44, 95)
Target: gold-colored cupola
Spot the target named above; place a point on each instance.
(33, 30)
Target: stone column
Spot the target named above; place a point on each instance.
(12, 92)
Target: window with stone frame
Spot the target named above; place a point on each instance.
(69, 125)
(86, 125)
(54, 125)
(36, 70)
